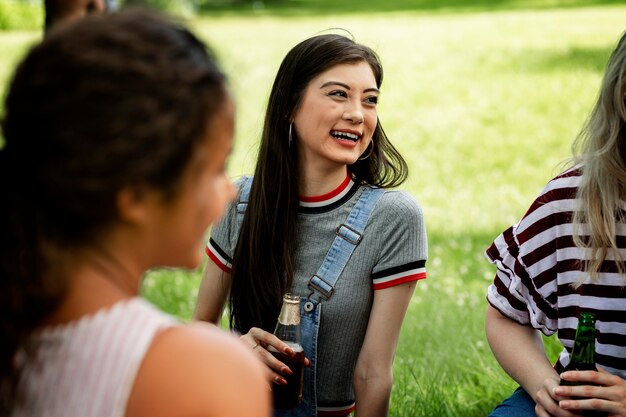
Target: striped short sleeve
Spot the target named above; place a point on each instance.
(219, 256)
(529, 255)
(398, 223)
(224, 234)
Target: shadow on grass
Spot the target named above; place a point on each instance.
(288, 8)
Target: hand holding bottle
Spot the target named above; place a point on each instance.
(581, 383)
(289, 394)
(260, 341)
(548, 400)
(601, 391)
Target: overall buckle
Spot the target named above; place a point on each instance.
(323, 288)
(348, 234)
(317, 283)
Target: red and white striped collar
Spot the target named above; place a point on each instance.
(329, 198)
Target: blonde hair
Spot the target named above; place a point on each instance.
(601, 150)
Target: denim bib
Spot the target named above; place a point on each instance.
(322, 286)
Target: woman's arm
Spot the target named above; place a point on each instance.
(373, 376)
(199, 371)
(520, 352)
(212, 294)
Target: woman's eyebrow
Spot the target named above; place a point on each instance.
(347, 87)
(329, 83)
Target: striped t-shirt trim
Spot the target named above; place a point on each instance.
(387, 278)
(335, 410)
(391, 277)
(328, 198)
(537, 266)
(307, 204)
(219, 256)
(329, 201)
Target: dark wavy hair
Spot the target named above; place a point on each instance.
(109, 102)
(264, 255)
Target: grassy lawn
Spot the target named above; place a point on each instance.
(484, 105)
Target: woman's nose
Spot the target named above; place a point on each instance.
(354, 115)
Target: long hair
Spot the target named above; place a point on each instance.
(106, 103)
(264, 255)
(601, 150)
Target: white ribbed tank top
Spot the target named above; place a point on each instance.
(87, 367)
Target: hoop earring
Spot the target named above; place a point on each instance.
(290, 137)
(363, 158)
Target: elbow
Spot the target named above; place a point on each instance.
(367, 379)
(493, 322)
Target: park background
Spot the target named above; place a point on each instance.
(483, 98)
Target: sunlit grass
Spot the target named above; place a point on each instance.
(12, 47)
(484, 106)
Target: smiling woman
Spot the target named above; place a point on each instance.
(321, 181)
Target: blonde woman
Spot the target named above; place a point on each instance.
(566, 255)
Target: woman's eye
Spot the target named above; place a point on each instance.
(372, 100)
(338, 93)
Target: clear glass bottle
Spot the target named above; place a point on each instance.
(288, 330)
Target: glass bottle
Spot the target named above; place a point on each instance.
(288, 330)
(583, 356)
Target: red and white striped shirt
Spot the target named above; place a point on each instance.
(537, 265)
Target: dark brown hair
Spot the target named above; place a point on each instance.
(264, 256)
(57, 10)
(105, 103)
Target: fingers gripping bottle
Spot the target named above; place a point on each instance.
(583, 356)
(288, 330)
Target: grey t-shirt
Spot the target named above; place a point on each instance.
(393, 250)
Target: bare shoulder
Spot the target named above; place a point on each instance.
(199, 370)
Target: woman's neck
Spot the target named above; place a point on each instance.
(95, 282)
(319, 182)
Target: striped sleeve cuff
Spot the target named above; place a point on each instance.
(399, 275)
(336, 409)
(218, 256)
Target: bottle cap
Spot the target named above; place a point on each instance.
(291, 298)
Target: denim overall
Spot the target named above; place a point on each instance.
(322, 286)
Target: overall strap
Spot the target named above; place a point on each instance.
(244, 196)
(348, 236)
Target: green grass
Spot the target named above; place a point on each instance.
(21, 14)
(484, 105)
(334, 7)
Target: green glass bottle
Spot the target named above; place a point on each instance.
(583, 356)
